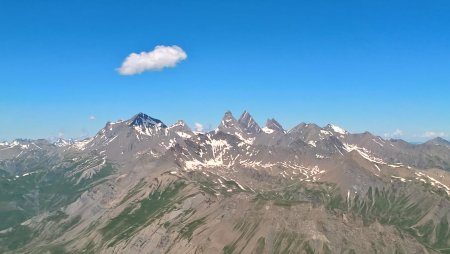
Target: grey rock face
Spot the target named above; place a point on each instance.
(248, 124)
(274, 125)
(229, 124)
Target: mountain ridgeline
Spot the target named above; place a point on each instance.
(141, 186)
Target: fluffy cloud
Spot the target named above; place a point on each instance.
(159, 58)
(395, 134)
(198, 127)
(434, 134)
(92, 118)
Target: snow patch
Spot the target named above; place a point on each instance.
(312, 143)
(183, 134)
(267, 130)
(364, 152)
(338, 129)
(428, 179)
(378, 142)
(324, 132)
(81, 145)
(400, 178)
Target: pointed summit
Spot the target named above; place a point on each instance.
(142, 119)
(335, 129)
(230, 125)
(272, 124)
(248, 124)
(228, 121)
(182, 129)
(180, 125)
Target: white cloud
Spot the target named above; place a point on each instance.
(434, 134)
(395, 134)
(198, 127)
(92, 118)
(159, 58)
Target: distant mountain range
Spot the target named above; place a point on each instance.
(141, 186)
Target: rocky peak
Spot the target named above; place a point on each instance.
(144, 120)
(180, 125)
(228, 121)
(336, 129)
(248, 124)
(272, 124)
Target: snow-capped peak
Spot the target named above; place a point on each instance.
(179, 123)
(337, 129)
(62, 142)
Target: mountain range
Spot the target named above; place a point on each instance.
(141, 186)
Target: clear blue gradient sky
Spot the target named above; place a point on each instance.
(379, 66)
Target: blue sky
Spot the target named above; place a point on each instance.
(381, 66)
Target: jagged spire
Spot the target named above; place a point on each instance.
(274, 125)
(248, 124)
(228, 120)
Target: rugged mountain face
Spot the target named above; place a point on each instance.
(273, 125)
(248, 124)
(141, 186)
